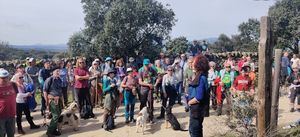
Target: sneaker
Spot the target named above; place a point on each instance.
(35, 127)
(56, 133)
(186, 109)
(132, 120)
(21, 131)
(127, 121)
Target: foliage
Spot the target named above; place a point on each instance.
(78, 44)
(121, 28)
(177, 46)
(248, 37)
(223, 43)
(285, 16)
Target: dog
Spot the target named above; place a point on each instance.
(69, 117)
(172, 120)
(141, 121)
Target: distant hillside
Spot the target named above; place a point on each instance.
(37, 47)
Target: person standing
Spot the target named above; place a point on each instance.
(8, 92)
(64, 78)
(212, 76)
(129, 84)
(146, 75)
(294, 81)
(187, 76)
(178, 72)
(285, 63)
(226, 78)
(22, 105)
(44, 73)
(54, 101)
(110, 91)
(158, 81)
(33, 71)
(198, 96)
(169, 82)
(82, 89)
(95, 74)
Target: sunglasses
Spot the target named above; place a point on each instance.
(227, 67)
(81, 62)
(21, 77)
(170, 70)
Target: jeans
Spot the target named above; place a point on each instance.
(65, 95)
(7, 127)
(129, 102)
(196, 127)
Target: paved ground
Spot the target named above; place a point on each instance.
(91, 128)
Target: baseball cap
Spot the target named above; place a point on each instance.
(3, 73)
(146, 62)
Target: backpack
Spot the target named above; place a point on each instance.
(110, 123)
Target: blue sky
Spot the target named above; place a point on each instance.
(53, 21)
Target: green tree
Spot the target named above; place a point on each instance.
(78, 44)
(223, 44)
(134, 27)
(122, 28)
(248, 37)
(285, 16)
(177, 46)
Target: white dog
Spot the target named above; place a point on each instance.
(141, 120)
(69, 117)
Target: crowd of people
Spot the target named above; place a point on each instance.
(192, 80)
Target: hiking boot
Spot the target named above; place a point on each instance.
(160, 117)
(127, 121)
(49, 116)
(35, 127)
(292, 110)
(186, 109)
(21, 131)
(56, 133)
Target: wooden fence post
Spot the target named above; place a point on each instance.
(264, 77)
(275, 89)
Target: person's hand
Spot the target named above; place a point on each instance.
(150, 86)
(112, 85)
(165, 95)
(29, 94)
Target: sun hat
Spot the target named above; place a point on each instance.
(3, 73)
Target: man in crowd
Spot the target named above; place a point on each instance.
(53, 97)
(44, 73)
(8, 92)
(146, 75)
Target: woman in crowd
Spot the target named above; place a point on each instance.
(111, 95)
(129, 83)
(169, 91)
(198, 96)
(95, 74)
(212, 75)
(82, 89)
(158, 82)
(22, 105)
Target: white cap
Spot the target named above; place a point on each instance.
(31, 59)
(129, 70)
(27, 58)
(3, 73)
(95, 62)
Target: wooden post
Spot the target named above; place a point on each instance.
(264, 77)
(275, 90)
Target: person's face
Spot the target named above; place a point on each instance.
(56, 73)
(47, 65)
(170, 71)
(4, 79)
(95, 65)
(62, 64)
(81, 63)
(20, 79)
(295, 70)
(167, 61)
(111, 75)
(21, 70)
(227, 68)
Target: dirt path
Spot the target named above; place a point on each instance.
(91, 128)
